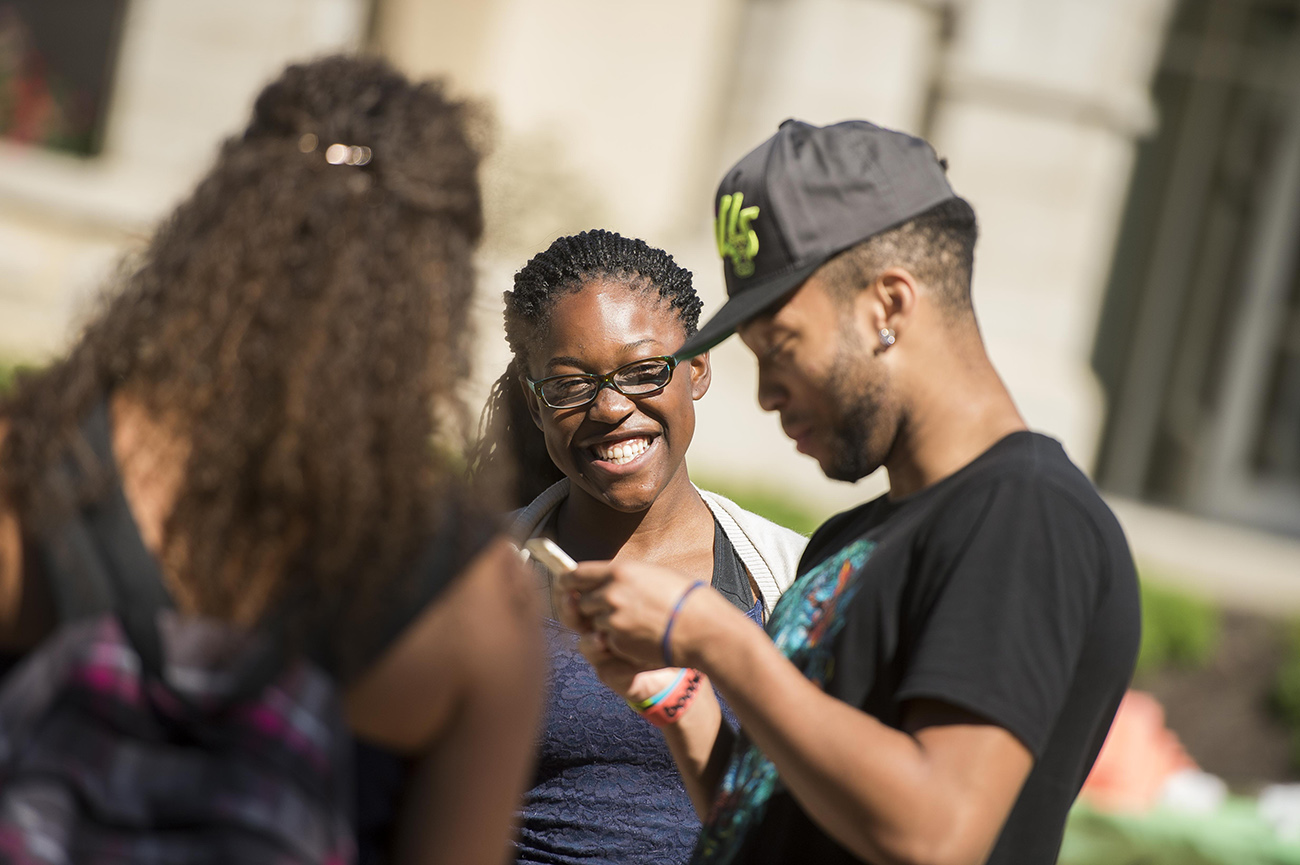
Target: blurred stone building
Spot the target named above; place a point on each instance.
(1135, 165)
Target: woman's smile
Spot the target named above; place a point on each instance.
(625, 455)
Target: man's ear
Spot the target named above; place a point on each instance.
(891, 301)
(534, 406)
(701, 375)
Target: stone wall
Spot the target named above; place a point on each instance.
(623, 116)
(1038, 108)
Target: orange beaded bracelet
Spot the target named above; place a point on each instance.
(671, 703)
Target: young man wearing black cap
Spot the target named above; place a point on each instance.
(940, 678)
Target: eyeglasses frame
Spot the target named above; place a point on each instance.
(603, 381)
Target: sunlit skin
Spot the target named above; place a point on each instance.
(939, 789)
(645, 509)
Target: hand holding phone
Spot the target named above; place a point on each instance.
(549, 553)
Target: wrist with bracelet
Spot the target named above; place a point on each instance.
(671, 703)
(665, 644)
(668, 705)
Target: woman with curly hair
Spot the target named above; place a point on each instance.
(598, 414)
(279, 374)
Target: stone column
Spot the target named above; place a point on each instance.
(1038, 107)
(604, 115)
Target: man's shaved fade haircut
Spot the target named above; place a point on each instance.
(937, 247)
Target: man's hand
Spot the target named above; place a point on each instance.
(621, 607)
(622, 677)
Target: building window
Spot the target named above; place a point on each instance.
(56, 64)
(1199, 343)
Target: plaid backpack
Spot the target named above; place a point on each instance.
(134, 734)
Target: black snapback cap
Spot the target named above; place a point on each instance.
(804, 195)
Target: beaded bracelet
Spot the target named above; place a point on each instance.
(671, 703)
(642, 705)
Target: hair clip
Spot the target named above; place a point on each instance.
(337, 154)
(347, 154)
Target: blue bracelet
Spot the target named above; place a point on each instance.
(672, 617)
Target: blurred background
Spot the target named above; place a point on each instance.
(1135, 165)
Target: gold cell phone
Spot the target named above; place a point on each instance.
(548, 552)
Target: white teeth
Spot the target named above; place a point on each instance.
(622, 452)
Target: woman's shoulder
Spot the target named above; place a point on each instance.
(775, 547)
(522, 524)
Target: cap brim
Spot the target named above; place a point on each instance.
(741, 308)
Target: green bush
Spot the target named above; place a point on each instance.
(10, 371)
(1286, 687)
(1284, 699)
(768, 503)
(1177, 629)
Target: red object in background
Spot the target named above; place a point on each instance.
(35, 114)
(56, 68)
(1138, 757)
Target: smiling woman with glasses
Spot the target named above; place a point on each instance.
(598, 414)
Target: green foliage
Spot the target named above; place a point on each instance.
(1177, 629)
(11, 371)
(768, 503)
(1284, 699)
(1286, 688)
(1235, 834)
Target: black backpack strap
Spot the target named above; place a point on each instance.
(70, 563)
(94, 560)
(70, 559)
(137, 580)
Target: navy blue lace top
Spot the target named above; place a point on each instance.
(606, 788)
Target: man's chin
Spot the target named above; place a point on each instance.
(849, 468)
(847, 476)
(843, 463)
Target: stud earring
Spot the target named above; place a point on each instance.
(887, 337)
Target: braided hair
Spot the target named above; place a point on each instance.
(567, 266)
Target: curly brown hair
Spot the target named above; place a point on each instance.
(303, 325)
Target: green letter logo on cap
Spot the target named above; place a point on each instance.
(736, 240)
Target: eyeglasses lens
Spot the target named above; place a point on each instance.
(568, 392)
(642, 377)
(635, 379)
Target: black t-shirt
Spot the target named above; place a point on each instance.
(1006, 589)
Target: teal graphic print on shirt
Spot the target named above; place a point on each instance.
(804, 625)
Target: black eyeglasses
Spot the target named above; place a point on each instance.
(638, 378)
